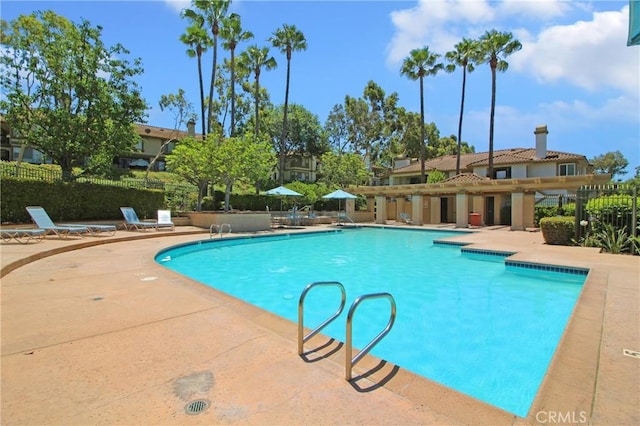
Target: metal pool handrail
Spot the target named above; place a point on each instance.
(219, 229)
(303, 295)
(349, 361)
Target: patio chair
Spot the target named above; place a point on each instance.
(43, 221)
(22, 236)
(164, 220)
(132, 223)
(405, 218)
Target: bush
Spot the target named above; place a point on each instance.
(568, 209)
(615, 210)
(558, 230)
(72, 201)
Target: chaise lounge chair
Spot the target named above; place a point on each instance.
(132, 223)
(23, 236)
(405, 218)
(164, 220)
(43, 221)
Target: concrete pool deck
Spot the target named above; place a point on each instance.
(95, 332)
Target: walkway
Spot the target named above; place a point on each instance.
(104, 335)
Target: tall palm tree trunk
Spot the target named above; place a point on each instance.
(213, 80)
(464, 83)
(423, 176)
(284, 123)
(257, 96)
(491, 119)
(233, 93)
(201, 93)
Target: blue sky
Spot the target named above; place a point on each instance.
(575, 72)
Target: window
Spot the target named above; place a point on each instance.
(567, 169)
(502, 173)
(299, 162)
(301, 176)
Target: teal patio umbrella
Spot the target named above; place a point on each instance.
(282, 192)
(340, 195)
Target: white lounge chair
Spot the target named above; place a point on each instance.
(405, 218)
(22, 236)
(164, 220)
(131, 221)
(43, 221)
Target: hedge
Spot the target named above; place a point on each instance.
(72, 201)
(558, 230)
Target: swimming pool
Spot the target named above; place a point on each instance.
(465, 319)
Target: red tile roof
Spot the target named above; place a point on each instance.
(466, 177)
(447, 163)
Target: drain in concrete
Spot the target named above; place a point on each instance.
(197, 406)
(632, 354)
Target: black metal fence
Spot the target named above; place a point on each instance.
(9, 169)
(178, 193)
(609, 208)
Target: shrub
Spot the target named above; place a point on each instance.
(68, 201)
(616, 210)
(558, 230)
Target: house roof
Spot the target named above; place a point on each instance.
(465, 178)
(447, 163)
(146, 130)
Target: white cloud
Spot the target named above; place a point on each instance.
(178, 5)
(435, 21)
(588, 54)
(531, 9)
(440, 24)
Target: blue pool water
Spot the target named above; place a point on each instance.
(466, 320)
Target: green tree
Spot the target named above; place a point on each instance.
(494, 47)
(464, 55)
(197, 39)
(288, 39)
(612, 163)
(414, 137)
(420, 63)
(436, 176)
(211, 12)
(240, 159)
(232, 34)
(67, 94)
(343, 170)
(255, 59)
(182, 111)
(304, 132)
(369, 126)
(192, 160)
(447, 145)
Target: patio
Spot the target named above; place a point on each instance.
(95, 332)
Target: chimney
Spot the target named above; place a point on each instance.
(191, 127)
(541, 141)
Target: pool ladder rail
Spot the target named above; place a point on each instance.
(349, 360)
(219, 229)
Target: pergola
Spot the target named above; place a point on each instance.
(471, 196)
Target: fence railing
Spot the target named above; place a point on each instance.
(601, 206)
(10, 169)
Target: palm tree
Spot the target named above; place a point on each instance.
(420, 63)
(232, 34)
(197, 39)
(288, 39)
(212, 12)
(254, 59)
(494, 46)
(464, 55)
